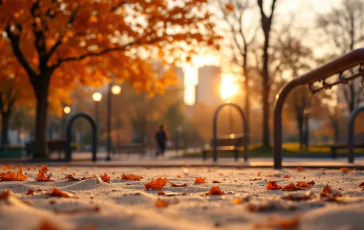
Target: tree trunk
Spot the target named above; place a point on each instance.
(5, 128)
(41, 93)
(265, 93)
(247, 92)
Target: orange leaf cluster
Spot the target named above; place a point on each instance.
(70, 177)
(215, 191)
(131, 177)
(200, 180)
(272, 185)
(157, 184)
(302, 184)
(300, 169)
(328, 194)
(290, 187)
(12, 176)
(42, 176)
(161, 203)
(58, 193)
(344, 170)
(178, 185)
(106, 178)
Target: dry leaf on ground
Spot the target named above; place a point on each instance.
(272, 185)
(161, 203)
(286, 176)
(70, 177)
(329, 194)
(30, 192)
(344, 170)
(58, 193)
(12, 176)
(178, 185)
(302, 184)
(291, 187)
(42, 176)
(105, 178)
(215, 191)
(133, 177)
(157, 184)
(216, 181)
(90, 177)
(200, 180)
(300, 169)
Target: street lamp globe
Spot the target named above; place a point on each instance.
(67, 109)
(97, 96)
(116, 89)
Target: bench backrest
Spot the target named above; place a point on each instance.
(227, 141)
(358, 139)
(56, 144)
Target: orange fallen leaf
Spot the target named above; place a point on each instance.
(272, 185)
(106, 178)
(157, 184)
(290, 187)
(302, 184)
(178, 185)
(269, 175)
(361, 185)
(30, 192)
(87, 178)
(300, 169)
(42, 176)
(259, 173)
(200, 180)
(12, 176)
(312, 183)
(286, 176)
(215, 191)
(216, 181)
(70, 177)
(326, 190)
(58, 193)
(161, 203)
(131, 177)
(45, 224)
(344, 170)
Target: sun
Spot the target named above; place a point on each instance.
(228, 86)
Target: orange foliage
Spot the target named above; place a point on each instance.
(290, 187)
(58, 193)
(302, 184)
(70, 177)
(30, 192)
(176, 185)
(131, 177)
(161, 203)
(200, 180)
(272, 185)
(106, 178)
(215, 191)
(42, 176)
(326, 190)
(12, 176)
(157, 184)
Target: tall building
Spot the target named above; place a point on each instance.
(208, 86)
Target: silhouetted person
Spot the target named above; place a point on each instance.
(161, 137)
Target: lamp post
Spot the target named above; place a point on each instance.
(66, 111)
(96, 97)
(116, 91)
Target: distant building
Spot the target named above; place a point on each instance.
(208, 86)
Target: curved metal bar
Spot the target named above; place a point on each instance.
(245, 130)
(68, 135)
(352, 118)
(338, 65)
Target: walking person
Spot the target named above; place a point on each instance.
(161, 137)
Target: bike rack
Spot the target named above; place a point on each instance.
(68, 135)
(352, 118)
(337, 66)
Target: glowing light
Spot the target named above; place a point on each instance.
(228, 87)
(116, 90)
(67, 109)
(97, 96)
(190, 82)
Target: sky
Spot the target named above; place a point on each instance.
(302, 12)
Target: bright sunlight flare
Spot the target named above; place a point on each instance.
(228, 87)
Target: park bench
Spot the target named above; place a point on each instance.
(134, 148)
(52, 145)
(226, 143)
(342, 143)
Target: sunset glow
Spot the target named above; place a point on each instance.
(228, 86)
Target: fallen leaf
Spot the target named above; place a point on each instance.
(269, 175)
(161, 203)
(176, 185)
(200, 180)
(216, 181)
(326, 190)
(278, 222)
(300, 169)
(286, 176)
(70, 177)
(30, 192)
(42, 176)
(12, 176)
(58, 193)
(344, 170)
(328, 194)
(87, 178)
(259, 173)
(302, 184)
(237, 201)
(215, 191)
(45, 224)
(106, 178)
(131, 177)
(229, 7)
(290, 187)
(157, 184)
(272, 185)
(312, 183)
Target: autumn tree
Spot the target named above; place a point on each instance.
(342, 26)
(82, 41)
(266, 25)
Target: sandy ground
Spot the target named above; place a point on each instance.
(124, 204)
